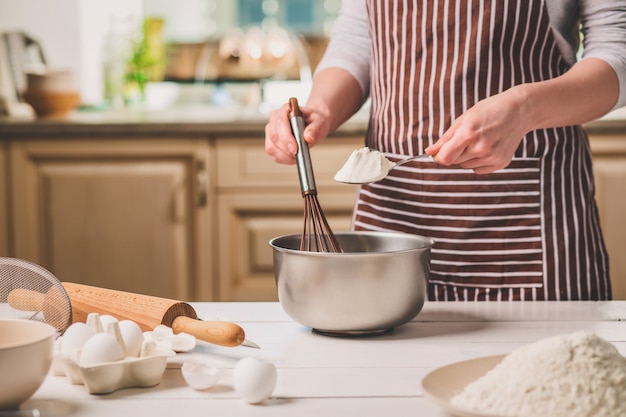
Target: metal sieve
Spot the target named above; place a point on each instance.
(29, 291)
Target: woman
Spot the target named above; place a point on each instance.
(492, 89)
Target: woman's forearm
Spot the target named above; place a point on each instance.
(589, 90)
(336, 94)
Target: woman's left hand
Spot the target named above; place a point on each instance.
(485, 137)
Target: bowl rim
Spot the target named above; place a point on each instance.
(427, 242)
(33, 323)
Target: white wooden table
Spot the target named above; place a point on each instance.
(327, 376)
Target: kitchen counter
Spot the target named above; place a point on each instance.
(187, 120)
(326, 376)
(199, 120)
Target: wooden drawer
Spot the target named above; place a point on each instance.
(248, 221)
(244, 163)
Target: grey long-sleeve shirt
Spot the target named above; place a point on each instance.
(603, 27)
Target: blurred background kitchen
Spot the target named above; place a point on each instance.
(131, 140)
(150, 52)
(131, 143)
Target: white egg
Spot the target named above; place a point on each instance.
(74, 339)
(101, 348)
(200, 376)
(254, 380)
(132, 337)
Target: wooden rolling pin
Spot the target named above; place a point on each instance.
(54, 304)
(149, 312)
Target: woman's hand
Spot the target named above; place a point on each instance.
(485, 137)
(335, 96)
(280, 143)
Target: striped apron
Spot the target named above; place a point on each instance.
(527, 232)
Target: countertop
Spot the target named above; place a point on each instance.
(197, 120)
(187, 120)
(329, 376)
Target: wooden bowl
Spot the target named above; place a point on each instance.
(48, 103)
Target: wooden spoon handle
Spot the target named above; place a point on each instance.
(217, 332)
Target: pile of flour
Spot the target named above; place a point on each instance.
(364, 166)
(578, 375)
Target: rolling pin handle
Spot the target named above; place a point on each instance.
(216, 332)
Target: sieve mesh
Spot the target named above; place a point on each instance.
(29, 291)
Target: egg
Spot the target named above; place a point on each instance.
(254, 380)
(74, 339)
(100, 348)
(132, 337)
(200, 376)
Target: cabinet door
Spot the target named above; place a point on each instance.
(259, 199)
(115, 214)
(248, 221)
(609, 165)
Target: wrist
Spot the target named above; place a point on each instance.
(530, 113)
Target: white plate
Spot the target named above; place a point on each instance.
(444, 383)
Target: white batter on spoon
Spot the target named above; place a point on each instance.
(364, 166)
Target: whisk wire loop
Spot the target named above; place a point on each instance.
(317, 235)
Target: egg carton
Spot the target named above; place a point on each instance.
(106, 355)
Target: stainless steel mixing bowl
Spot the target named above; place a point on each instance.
(378, 283)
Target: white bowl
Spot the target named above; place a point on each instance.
(26, 349)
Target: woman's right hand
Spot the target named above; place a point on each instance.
(280, 143)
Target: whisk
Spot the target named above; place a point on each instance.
(317, 235)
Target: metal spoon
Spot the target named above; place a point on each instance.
(388, 166)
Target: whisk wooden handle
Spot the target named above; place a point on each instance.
(294, 108)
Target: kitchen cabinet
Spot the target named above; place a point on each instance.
(133, 215)
(183, 205)
(186, 217)
(259, 200)
(609, 163)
